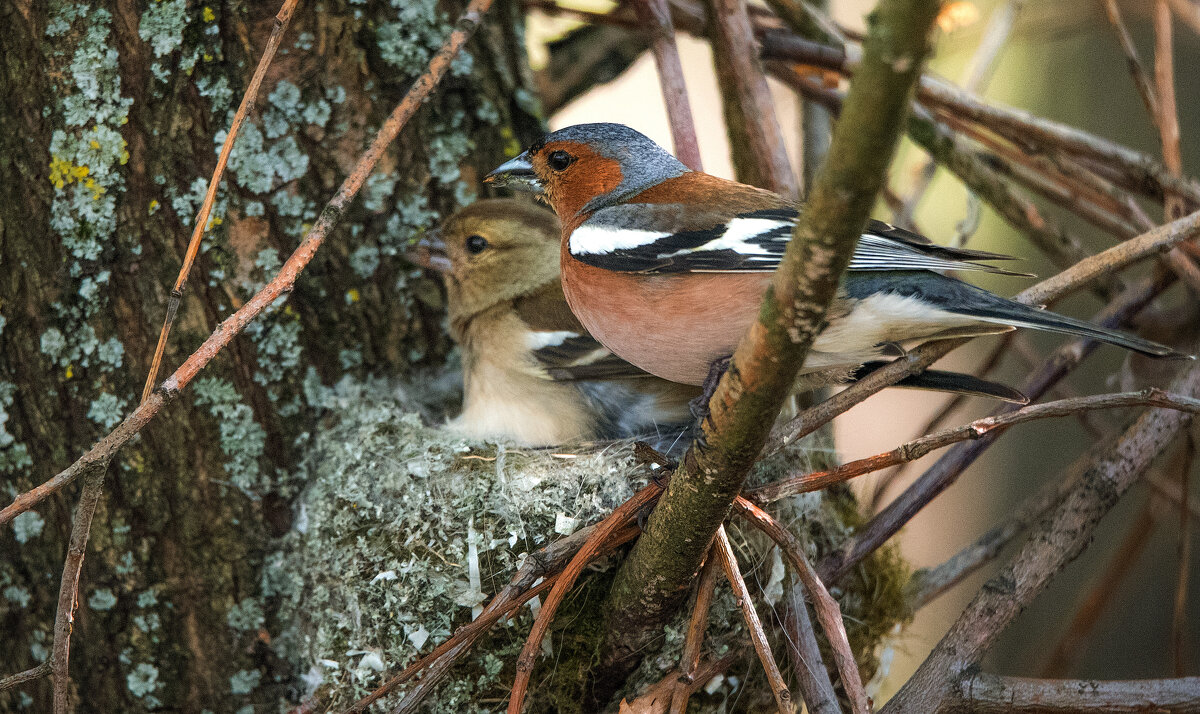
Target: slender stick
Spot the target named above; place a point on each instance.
(1140, 78)
(68, 591)
(657, 14)
(724, 552)
(282, 18)
(757, 140)
(828, 612)
(693, 643)
(533, 644)
(915, 449)
(29, 675)
(281, 284)
(812, 679)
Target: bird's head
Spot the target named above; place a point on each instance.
(582, 168)
(491, 251)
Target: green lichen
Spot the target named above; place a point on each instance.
(27, 526)
(102, 600)
(378, 568)
(242, 439)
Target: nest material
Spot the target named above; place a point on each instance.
(404, 529)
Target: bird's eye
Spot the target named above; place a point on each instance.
(476, 244)
(559, 160)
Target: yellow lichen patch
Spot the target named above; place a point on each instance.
(352, 295)
(63, 172)
(208, 14)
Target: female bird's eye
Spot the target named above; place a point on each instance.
(559, 160)
(476, 244)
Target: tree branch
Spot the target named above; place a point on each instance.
(657, 15)
(653, 579)
(915, 449)
(756, 141)
(989, 694)
(280, 285)
(1059, 538)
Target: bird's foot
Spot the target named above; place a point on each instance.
(699, 405)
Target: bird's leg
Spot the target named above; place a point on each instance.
(699, 405)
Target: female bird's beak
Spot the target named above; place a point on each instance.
(516, 174)
(430, 252)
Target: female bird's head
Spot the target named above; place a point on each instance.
(582, 168)
(490, 252)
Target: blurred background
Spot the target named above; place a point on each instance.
(1062, 62)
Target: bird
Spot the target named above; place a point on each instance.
(531, 373)
(666, 266)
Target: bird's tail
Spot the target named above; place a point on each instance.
(985, 306)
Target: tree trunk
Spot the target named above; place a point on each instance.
(113, 116)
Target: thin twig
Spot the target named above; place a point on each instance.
(282, 18)
(693, 643)
(915, 449)
(724, 552)
(1100, 594)
(828, 612)
(812, 679)
(657, 14)
(533, 643)
(29, 675)
(281, 284)
(68, 591)
(1140, 78)
(758, 150)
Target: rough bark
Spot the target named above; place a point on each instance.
(112, 113)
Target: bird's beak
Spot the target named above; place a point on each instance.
(516, 174)
(430, 252)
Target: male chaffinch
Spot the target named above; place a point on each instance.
(531, 373)
(666, 266)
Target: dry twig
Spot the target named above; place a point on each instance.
(657, 14)
(282, 18)
(723, 551)
(828, 612)
(281, 284)
(689, 659)
(989, 694)
(915, 449)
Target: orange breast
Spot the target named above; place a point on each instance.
(672, 326)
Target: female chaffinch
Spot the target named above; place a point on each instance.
(531, 373)
(666, 266)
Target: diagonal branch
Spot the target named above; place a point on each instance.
(282, 18)
(280, 285)
(724, 552)
(652, 581)
(1060, 537)
(915, 449)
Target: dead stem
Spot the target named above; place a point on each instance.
(693, 643)
(723, 551)
(282, 18)
(657, 14)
